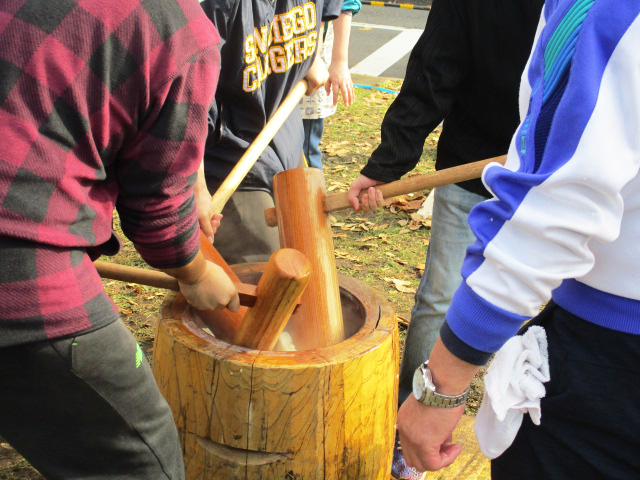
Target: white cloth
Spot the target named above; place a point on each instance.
(513, 386)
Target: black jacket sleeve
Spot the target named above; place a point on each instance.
(438, 66)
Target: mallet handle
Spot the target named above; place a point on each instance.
(416, 183)
(152, 278)
(222, 195)
(251, 155)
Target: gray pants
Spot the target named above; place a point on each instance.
(243, 235)
(88, 407)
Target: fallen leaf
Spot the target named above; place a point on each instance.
(405, 289)
(406, 203)
(345, 255)
(402, 286)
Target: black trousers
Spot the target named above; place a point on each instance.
(88, 407)
(590, 426)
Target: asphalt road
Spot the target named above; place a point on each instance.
(382, 38)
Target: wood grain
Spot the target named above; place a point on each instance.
(154, 278)
(415, 183)
(282, 284)
(303, 225)
(225, 326)
(324, 414)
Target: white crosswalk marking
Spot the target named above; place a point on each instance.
(387, 55)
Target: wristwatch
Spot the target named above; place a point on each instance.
(425, 391)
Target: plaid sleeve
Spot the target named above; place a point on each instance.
(156, 174)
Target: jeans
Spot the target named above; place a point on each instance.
(450, 237)
(88, 407)
(313, 129)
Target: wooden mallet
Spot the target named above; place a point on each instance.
(415, 183)
(279, 290)
(154, 278)
(231, 320)
(273, 300)
(303, 225)
(301, 215)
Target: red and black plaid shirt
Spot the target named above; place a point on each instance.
(100, 102)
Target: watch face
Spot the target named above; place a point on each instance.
(418, 384)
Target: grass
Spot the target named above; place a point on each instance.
(385, 249)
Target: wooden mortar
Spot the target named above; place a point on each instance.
(322, 414)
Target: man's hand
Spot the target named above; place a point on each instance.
(370, 200)
(205, 285)
(212, 289)
(208, 223)
(426, 434)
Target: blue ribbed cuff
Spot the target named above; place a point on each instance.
(483, 327)
(461, 349)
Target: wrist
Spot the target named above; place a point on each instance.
(451, 376)
(426, 392)
(190, 273)
(446, 385)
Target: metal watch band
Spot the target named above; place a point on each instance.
(425, 390)
(440, 400)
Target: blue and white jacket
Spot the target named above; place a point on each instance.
(564, 222)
